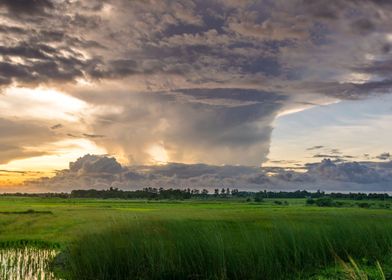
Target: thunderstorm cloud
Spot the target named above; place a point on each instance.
(190, 81)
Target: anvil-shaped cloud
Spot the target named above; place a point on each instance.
(184, 81)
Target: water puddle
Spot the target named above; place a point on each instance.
(26, 263)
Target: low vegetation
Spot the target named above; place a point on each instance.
(231, 237)
(27, 212)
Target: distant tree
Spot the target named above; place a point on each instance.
(259, 196)
(363, 205)
(195, 192)
(319, 198)
(325, 202)
(310, 201)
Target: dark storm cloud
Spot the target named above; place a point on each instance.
(27, 6)
(12, 30)
(363, 26)
(42, 63)
(237, 94)
(116, 69)
(350, 91)
(349, 172)
(202, 42)
(186, 171)
(201, 81)
(26, 51)
(334, 9)
(382, 68)
(213, 125)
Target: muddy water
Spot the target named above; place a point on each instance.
(26, 264)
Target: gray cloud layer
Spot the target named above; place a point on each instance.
(102, 172)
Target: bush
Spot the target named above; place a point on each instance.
(385, 205)
(363, 205)
(310, 201)
(339, 204)
(325, 202)
(259, 197)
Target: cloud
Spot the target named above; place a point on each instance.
(27, 6)
(57, 126)
(352, 172)
(92, 164)
(326, 156)
(194, 40)
(315, 148)
(93, 135)
(92, 171)
(384, 156)
(194, 81)
(20, 140)
(215, 125)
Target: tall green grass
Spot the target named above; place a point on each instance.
(192, 249)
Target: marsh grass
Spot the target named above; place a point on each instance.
(195, 249)
(28, 263)
(355, 270)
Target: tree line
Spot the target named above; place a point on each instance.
(181, 194)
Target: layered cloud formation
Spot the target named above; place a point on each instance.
(182, 81)
(102, 172)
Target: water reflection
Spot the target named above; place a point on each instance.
(26, 264)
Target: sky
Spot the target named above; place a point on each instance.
(252, 94)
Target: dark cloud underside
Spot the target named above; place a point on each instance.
(102, 172)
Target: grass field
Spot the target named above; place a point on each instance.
(117, 239)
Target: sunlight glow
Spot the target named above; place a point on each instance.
(41, 103)
(357, 78)
(59, 155)
(158, 154)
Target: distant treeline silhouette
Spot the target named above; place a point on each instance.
(171, 193)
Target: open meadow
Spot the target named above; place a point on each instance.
(200, 239)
